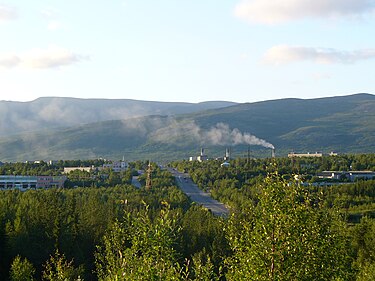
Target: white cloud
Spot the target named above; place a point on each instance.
(7, 13)
(9, 60)
(284, 54)
(277, 11)
(52, 57)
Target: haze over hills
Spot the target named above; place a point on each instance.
(343, 124)
(54, 112)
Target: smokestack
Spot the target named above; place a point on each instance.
(273, 153)
(227, 154)
(202, 151)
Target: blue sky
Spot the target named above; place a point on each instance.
(191, 51)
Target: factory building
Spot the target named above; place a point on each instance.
(202, 157)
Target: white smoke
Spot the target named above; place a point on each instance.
(220, 134)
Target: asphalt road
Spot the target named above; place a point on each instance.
(199, 196)
(135, 182)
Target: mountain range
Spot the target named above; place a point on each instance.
(55, 112)
(61, 128)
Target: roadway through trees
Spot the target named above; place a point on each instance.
(199, 196)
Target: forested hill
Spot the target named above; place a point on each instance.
(342, 124)
(54, 112)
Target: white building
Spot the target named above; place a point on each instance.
(350, 175)
(67, 170)
(118, 166)
(308, 154)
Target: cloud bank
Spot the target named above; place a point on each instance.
(220, 134)
(284, 54)
(7, 13)
(278, 11)
(52, 57)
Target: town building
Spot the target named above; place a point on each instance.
(117, 166)
(308, 154)
(67, 170)
(349, 175)
(27, 182)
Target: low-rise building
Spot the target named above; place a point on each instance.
(27, 182)
(349, 175)
(50, 181)
(117, 166)
(67, 170)
(308, 154)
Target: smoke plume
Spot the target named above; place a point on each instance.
(220, 134)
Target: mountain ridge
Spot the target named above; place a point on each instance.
(55, 112)
(344, 124)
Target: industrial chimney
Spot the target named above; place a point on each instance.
(273, 153)
(227, 154)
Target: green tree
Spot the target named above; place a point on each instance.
(21, 270)
(58, 268)
(363, 244)
(140, 248)
(286, 236)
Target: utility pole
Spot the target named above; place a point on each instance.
(148, 179)
(248, 154)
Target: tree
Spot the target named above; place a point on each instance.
(58, 268)
(363, 243)
(21, 270)
(140, 248)
(285, 236)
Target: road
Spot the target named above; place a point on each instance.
(135, 182)
(199, 196)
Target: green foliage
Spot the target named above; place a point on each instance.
(58, 268)
(140, 249)
(286, 236)
(203, 269)
(366, 273)
(21, 270)
(363, 246)
(278, 230)
(203, 232)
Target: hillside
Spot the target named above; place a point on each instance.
(342, 124)
(54, 112)
(345, 124)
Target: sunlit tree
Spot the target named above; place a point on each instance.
(286, 236)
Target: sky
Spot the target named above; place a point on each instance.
(186, 51)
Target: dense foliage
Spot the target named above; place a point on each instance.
(279, 229)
